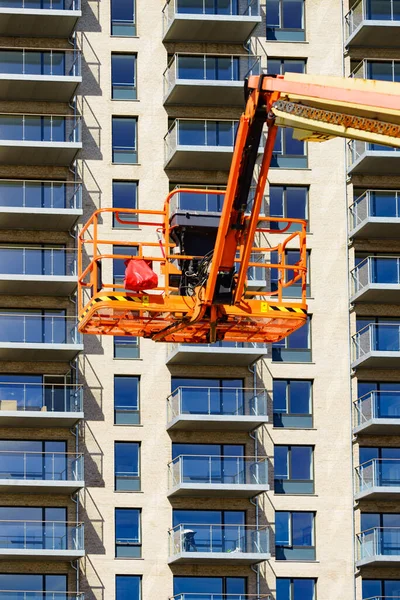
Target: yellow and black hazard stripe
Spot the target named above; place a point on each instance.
(266, 307)
(143, 299)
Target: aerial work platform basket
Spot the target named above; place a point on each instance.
(172, 312)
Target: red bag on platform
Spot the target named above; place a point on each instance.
(139, 275)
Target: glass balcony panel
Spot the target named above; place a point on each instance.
(192, 133)
(384, 204)
(11, 62)
(385, 270)
(226, 470)
(40, 535)
(38, 397)
(37, 329)
(11, 127)
(219, 538)
(380, 10)
(41, 466)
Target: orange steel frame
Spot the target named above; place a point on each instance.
(165, 315)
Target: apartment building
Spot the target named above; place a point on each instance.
(134, 470)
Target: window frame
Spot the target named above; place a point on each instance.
(133, 423)
(291, 549)
(134, 84)
(133, 544)
(285, 189)
(133, 23)
(287, 34)
(293, 417)
(282, 352)
(139, 577)
(133, 150)
(128, 341)
(136, 475)
(301, 487)
(135, 186)
(291, 587)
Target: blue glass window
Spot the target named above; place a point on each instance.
(32, 62)
(292, 403)
(380, 588)
(32, 194)
(200, 202)
(208, 587)
(209, 7)
(119, 263)
(280, 66)
(126, 347)
(33, 128)
(294, 535)
(384, 333)
(128, 542)
(383, 70)
(35, 260)
(127, 468)
(288, 201)
(124, 140)
(296, 347)
(295, 589)
(214, 68)
(20, 585)
(285, 20)
(33, 326)
(292, 258)
(126, 400)
(123, 76)
(34, 528)
(221, 531)
(206, 133)
(211, 463)
(34, 460)
(125, 195)
(123, 18)
(386, 398)
(289, 153)
(128, 587)
(210, 396)
(293, 470)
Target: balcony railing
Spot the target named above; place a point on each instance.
(200, 596)
(378, 472)
(36, 260)
(217, 401)
(43, 4)
(379, 542)
(41, 466)
(221, 8)
(40, 128)
(41, 535)
(379, 337)
(228, 539)
(40, 62)
(35, 194)
(39, 595)
(216, 70)
(383, 204)
(219, 470)
(199, 132)
(357, 148)
(365, 10)
(38, 329)
(375, 270)
(38, 397)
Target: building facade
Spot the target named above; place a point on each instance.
(135, 470)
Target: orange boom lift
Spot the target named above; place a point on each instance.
(202, 262)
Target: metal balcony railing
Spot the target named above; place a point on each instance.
(356, 149)
(379, 337)
(204, 67)
(200, 596)
(238, 345)
(376, 405)
(220, 401)
(41, 466)
(383, 69)
(221, 8)
(229, 539)
(365, 10)
(377, 472)
(225, 470)
(375, 269)
(40, 397)
(41, 535)
(37, 260)
(199, 132)
(40, 128)
(58, 195)
(374, 203)
(378, 541)
(39, 595)
(40, 62)
(38, 329)
(42, 4)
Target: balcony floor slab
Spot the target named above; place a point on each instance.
(38, 22)
(43, 285)
(22, 486)
(387, 228)
(222, 558)
(214, 490)
(38, 153)
(11, 418)
(215, 423)
(375, 34)
(207, 158)
(39, 554)
(378, 427)
(378, 293)
(197, 92)
(211, 28)
(375, 162)
(14, 351)
(43, 219)
(378, 360)
(40, 88)
(195, 355)
(379, 561)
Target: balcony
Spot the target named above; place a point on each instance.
(39, 139)
(377, 345)
(38, 337)
(41, 472)
(207, 80)
(39, 18)
(45, 595)
(377, 413)
(39, 75)
(203, 21)
(224, 544)
(41, 540)
(238, 354)
(40, 405)
(376, 279)
(37, 270)
(39, 205)
(218, 476)
(216, 408)
(373, 23)
(378, 547)
(200, 596)
(364, 158)
(375, 214)
(378, 479)
(200, 144)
